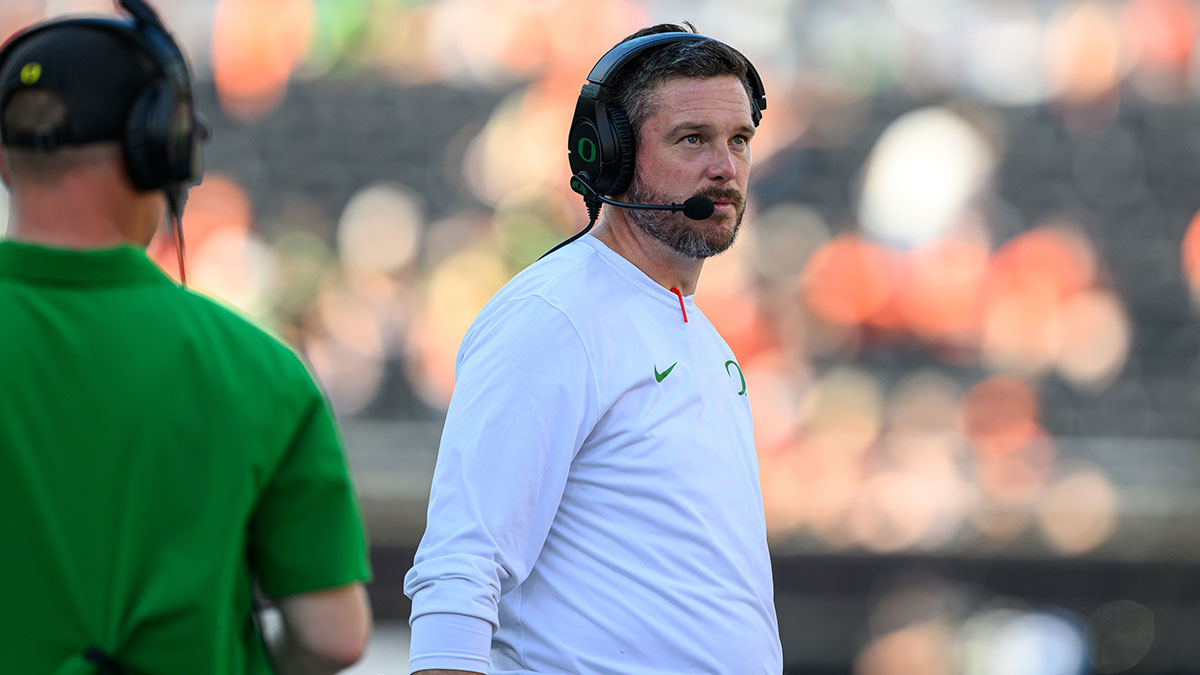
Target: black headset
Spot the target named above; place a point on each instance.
(163, 135)
(601, 145)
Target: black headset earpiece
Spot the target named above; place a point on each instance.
(601, 146)
(163, 137)
(158, 142)
(162, 142)
(601, 143)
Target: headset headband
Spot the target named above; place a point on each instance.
(618, 56)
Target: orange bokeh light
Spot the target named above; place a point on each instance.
(255, 46)
(1017, 478)
(849, 280)
(926, 647)
(784, 477)
(1191, 256)
(1000, 415)
(942, 290)
(1080, 511)
(1160, 33)
(1030, 279)
(1083, 51)
(1095, 339)
(1045, 255)
(730, 302)
(217, 204)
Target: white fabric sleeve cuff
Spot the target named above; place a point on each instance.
(450, 642)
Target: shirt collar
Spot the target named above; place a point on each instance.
(120, 265)
(635, 275)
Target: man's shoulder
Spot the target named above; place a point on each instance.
(241, 337)
(537, 304)
(221, 313)
(566, 281)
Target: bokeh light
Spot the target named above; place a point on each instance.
(1160, 34)
(1079, 511)
(457, 289)
(380, 229)
(849, 280)
(1083, 51)
(942, 293)
(1191, 257)
(1030, 279)
(235, 266)
(784, 238)
(256, 45)
(1000, 415)
(920, 176)
(1003, 46)
(1007, 640)
(1095, 339)
(1120, 634)
(844, 414)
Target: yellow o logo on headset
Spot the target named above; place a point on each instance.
(31, 72)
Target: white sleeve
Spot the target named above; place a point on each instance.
(524, 400)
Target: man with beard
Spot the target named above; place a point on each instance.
(596, 507)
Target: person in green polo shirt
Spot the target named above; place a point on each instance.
(160, 455)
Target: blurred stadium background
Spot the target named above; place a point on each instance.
(965, 297)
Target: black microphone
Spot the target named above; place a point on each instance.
(696, 208)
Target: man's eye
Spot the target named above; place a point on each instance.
(741, 140)
(692, 139)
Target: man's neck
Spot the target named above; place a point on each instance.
(67, 235)
(63, 217)
(667, 267)
(72, 233)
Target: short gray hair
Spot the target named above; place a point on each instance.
(635, 84)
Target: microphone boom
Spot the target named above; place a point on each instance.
(696, 208)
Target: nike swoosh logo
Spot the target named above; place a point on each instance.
(661, 376)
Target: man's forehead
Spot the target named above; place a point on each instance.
(681, 97)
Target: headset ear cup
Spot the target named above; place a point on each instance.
(183, 142)
(626, 150)
(584, 150)
(157, 147)
(136, 146)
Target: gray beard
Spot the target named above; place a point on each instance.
(676, 230)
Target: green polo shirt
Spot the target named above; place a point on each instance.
(158, 452)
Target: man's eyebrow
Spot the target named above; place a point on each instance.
(687, 126)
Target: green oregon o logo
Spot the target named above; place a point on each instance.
(586, 149)
(31, 72)
(740, 375)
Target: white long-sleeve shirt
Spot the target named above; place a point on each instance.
(596, 505)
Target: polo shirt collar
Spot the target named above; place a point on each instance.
(119, 265)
